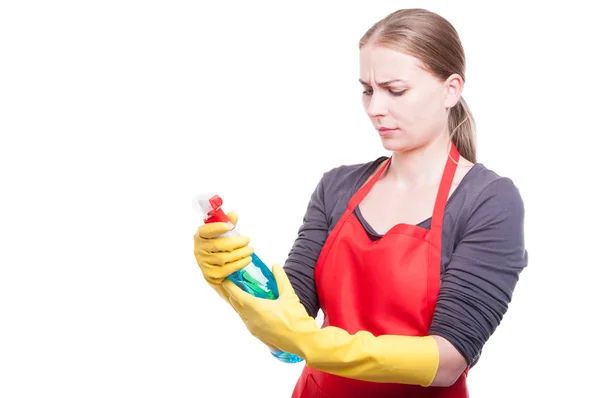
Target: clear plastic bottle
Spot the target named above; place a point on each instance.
(256, 278)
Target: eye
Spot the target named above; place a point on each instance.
(368, 91)
(397, 93)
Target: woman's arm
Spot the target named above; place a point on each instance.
(478, 283)
(300, 264)
(451, 363)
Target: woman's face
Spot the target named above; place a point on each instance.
(407, 105)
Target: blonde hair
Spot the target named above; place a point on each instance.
(431, 39)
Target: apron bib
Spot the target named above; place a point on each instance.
(389, 286)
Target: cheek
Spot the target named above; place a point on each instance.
(434, 103)
(407, 110)
(418, 109)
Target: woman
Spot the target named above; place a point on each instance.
(413, 259)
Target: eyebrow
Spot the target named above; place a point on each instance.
(384, 84)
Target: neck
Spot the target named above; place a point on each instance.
(420, 166)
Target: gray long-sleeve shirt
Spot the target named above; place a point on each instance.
(483, 250)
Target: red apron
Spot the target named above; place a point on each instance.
(389, 286)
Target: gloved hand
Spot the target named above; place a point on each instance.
(285, 324)
(220, 257)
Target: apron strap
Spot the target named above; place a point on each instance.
(435, 234)
(442, 196)
(360, 195)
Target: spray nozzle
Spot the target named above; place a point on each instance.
(209, 206)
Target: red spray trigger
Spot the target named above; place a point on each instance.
(216, 202)
(216, 214)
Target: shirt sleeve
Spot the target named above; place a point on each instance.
(301, 261)
(479, 281)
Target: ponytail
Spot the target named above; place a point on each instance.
(462, 130)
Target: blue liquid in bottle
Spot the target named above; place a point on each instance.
(258, 280)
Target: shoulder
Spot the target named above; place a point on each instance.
(350, 175)
(339, 183)
(490, 196)
(485, 184)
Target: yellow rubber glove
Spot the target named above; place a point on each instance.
(285, 324)
(220, 257)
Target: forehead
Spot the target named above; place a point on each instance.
(381, 63)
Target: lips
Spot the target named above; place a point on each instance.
(385, 131)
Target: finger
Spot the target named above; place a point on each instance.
(236, 294)
(222, 258)
(212, 230)
(227, 244)
(233, 217)
(283, 282)
(216, 274)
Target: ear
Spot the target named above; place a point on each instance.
(453, 86)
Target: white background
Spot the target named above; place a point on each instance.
(114, 114)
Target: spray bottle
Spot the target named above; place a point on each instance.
(256, 278)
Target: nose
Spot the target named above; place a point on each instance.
(376, 105)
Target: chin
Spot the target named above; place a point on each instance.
(402, 144)
(395, 145)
